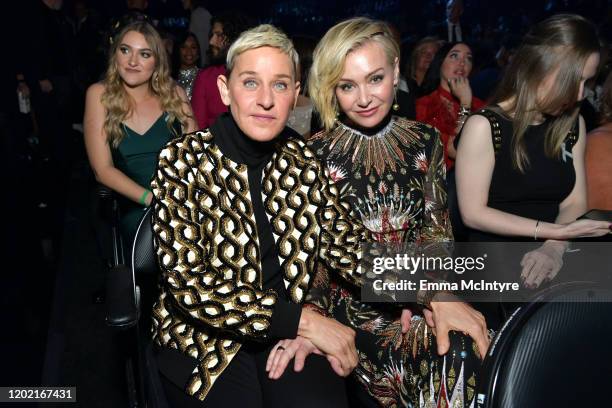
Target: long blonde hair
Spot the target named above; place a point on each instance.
(329, 57)
(564, 43)
(117, 102)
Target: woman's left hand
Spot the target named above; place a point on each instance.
(298, 348)
(449, 313)
(542, 264)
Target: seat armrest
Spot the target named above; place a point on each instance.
(122, 309)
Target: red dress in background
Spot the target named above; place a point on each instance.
(205, 99)
(440, 109)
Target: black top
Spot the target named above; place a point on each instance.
(239, 148)
(538, 191)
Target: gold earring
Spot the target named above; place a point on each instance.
(395, 104)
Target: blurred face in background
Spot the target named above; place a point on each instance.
(426, 55)
(457, 63)
(135, 59)
(217, 40)
(189, 53)
(366, 89)
(261, 91)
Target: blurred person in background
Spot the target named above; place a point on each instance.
(448, 96)
(199, 25)
(206, 100)
(599, 156)
(486, 80)
(91, 58)
(48, 71)
(301, 116)
(186, 61)
(454, 10)
(423, 53)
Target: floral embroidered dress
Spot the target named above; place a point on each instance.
(394, 182)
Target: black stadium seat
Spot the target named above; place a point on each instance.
(553, 352)
(131, 290)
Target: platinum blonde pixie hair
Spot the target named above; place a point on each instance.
(330, 54)
(264, 35)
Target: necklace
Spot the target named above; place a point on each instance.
(381, 150)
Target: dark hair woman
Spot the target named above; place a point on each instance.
(448, 96)
(186, 61)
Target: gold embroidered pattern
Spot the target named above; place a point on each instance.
(206, 242)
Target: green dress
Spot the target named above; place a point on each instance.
(136, 156)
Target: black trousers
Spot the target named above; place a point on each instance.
(245, 383)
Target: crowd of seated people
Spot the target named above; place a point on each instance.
(267, 168)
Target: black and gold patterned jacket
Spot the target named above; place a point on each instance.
(206, 240)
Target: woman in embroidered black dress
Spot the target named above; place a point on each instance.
(528, 181)
(391, 173)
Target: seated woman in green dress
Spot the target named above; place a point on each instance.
(130, 116)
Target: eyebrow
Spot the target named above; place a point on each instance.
(466, 53)
(139, 49)
(256, 74)
(367, 76)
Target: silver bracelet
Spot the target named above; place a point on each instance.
(535, 233)
(460, 122)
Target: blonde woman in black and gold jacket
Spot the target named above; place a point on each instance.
(242, 213)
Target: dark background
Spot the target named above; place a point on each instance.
(53, 332)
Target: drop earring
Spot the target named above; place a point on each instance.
(395, 106)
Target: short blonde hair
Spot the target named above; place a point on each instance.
(330, 55)
(264, 35)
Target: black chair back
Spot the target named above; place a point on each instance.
(555, 352)
(131, 289)
(144, 261)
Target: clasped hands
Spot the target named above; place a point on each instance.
(319, 335)
(327, 337)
